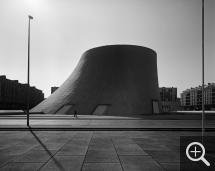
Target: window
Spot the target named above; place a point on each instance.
(64, 109)
(100, 110)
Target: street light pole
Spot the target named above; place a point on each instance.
(203, 97)
(28, 88)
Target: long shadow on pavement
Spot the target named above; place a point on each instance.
(50, 154)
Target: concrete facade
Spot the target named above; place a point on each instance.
(171, 105)
(122, 77)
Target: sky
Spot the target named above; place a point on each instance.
(62, 30)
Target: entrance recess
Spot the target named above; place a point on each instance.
(100, 109)
(64, 109)
(155, 107)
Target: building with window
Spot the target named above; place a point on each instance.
(13, 95)
(191, 99)
(168, 94)
(169, 99)
(110, 80)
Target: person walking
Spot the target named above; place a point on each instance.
(75, 114)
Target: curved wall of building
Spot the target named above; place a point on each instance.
(122, 76)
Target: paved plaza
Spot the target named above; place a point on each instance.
(92, 150)
(84, 150)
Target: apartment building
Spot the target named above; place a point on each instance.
(168, 94)
(13, 95)
(191, 99)
(169, 100)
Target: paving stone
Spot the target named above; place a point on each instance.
(168, 142)
(174, 148)
(184, 166)
(78, 142)
(130, 150)
(101, 156)
(83, 135)
(96, 146)
(117, 133)
(171, 166)
(47, 146)
(119, 143)
(136, 134)
(173, 137)
(156, 147)
(70, 134)
(101, 140)
(157, 136)
(4, 146)
(100, 132)
(4, 159)
(10, 142)
(30, 142)
(100, 136)
(102, 167)
(41, 136)
(64, 163)
(55, 132)
(137, 163)
(58, 140)
(16, 150)
(36, 156)
(120, 138)
(81, 138)
(101, 143)
(73, 150)
(164, 156)
(144, 141)
(21, 167)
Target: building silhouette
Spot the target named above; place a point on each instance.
(13, 95)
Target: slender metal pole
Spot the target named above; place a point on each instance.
(28, 72)
(203, 97)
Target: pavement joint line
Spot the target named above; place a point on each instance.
(18, 155)
(14, 144)
(27, 151)
(116, 150)
(128, 134)
(17, 143)
(55, 152)
(86, 152)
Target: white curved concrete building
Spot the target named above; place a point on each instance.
(110, 80)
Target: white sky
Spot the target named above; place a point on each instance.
(62, 30)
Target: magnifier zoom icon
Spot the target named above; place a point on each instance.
(196, 144)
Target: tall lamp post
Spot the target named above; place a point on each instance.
(203, 97)
(28, 88)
